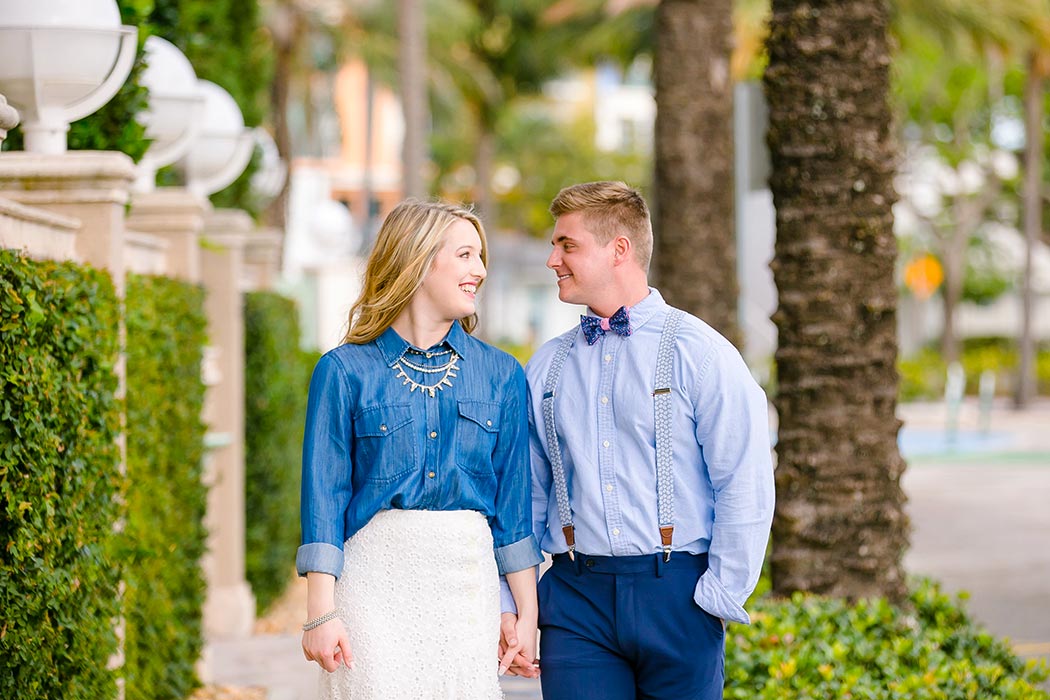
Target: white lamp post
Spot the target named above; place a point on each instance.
(221, 150)
(173, 117)
(61, 60)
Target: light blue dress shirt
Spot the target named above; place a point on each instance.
(371, 444)
(605, 422)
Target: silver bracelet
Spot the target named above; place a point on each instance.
(318, 621)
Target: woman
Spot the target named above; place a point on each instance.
(415, 489)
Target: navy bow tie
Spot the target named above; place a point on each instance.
(594, 328)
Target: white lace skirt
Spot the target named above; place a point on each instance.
(419, 596)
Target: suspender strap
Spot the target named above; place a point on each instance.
(662, 415)
(561, 489)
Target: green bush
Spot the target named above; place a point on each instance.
(277, 378)
(810, 647)
(923, 373)
(165, 534)
(60, 480)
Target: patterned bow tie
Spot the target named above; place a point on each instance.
(594, 328)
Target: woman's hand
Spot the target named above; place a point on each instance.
(517, 646)
(328, 645)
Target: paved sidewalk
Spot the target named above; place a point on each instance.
(980, 523)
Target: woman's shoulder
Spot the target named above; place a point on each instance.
(500, 359)
(346, 357)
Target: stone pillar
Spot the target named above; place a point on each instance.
(89, 186)
(229, 609)
(262, 259)
(176, 215)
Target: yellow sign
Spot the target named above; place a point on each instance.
(923, 276)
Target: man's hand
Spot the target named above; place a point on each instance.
(328, 645)
(517, 646)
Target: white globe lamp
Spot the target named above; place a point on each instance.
(172, 118)
(61, 60)
(268, 180)
(222, 148)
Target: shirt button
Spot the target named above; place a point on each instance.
(616, 531)
(383, 428)
(433, 433)
(605, 444)
(431, 474)
(608, 358)
(605, 399)
(488, 423)
(608, 487)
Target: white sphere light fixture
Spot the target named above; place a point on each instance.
(172, 118)
(61, 60)
(222, 148)
(272, 173)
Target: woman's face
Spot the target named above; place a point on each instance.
(449, 289)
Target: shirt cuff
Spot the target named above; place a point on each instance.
(506, 598)
(518, 555)
(319, 556)
(712, 596)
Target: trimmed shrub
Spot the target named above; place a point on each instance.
(811, 647)
(165, 535)
(277, 378)
(60, 480)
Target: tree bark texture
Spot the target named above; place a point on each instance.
(412, 58)
(694, 259)
(1033, 225)
(839, 527)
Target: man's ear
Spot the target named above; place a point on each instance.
(621, 249)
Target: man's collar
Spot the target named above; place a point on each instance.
(393, 346)
(643, 310)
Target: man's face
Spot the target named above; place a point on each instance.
(584, 267)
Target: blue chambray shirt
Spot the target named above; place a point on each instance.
(371, 445)
(722, 460)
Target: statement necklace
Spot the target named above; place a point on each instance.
(448, 371)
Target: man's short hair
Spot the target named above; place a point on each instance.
(610, 209)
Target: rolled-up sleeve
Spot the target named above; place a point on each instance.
(515, 544)
(327, 470)
(732, 419)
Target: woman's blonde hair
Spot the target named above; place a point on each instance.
(405, 248)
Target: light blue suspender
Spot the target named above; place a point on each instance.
(662, 418)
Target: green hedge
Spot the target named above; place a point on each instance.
(277, 378)
(165, 535)
(60, 481)
(923, 374)
(816, 648)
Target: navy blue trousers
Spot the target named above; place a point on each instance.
(627, 628)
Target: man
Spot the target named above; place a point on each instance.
(652, 475)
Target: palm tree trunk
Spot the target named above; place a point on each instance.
(695, 256)
(412, 51)
(286, 30)
(839, 527)
(1033, 214)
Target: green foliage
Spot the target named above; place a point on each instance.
(923, 374)
(277, 377)
(810, 647)
(60, 480)
(165, 534)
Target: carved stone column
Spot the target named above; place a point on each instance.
(229, 610)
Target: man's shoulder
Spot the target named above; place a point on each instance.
(541, 359)
(695, 332)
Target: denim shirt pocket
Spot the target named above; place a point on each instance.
(384, 443)
(476, 431)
